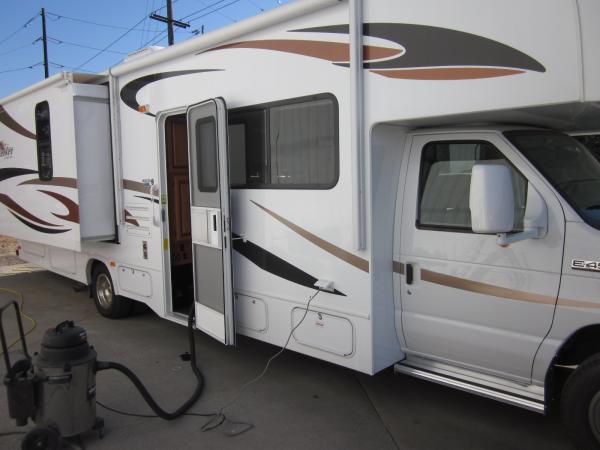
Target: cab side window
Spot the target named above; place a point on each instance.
(445, 182)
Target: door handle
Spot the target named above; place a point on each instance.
(409, 273)
(214, 222)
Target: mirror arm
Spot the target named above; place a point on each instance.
(505, 239)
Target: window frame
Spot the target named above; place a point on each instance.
(43, 104)
(202, 188)
(421, 185)
(286, 102)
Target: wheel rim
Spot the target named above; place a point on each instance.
(594, 415)
(104, 291)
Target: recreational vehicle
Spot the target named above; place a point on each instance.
(411, 161)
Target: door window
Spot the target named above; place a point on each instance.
(445, 183)
(206, 147)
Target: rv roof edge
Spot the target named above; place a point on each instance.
(213, 38)
(59, 77)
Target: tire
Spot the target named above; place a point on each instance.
(580, 404)
(41, 438)
(107, 303)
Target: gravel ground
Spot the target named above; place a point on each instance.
(8, 247)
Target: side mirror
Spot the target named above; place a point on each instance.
(492, 206)
(535, 222)
(491, 199)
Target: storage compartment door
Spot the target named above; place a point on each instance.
(211, 235)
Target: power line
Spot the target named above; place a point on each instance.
(99, 24)
(213, 11)
(25, 25)
(111, 44)
(60, 41)
(62, 66)
(256, 5)
(32, 66)
(154, 40)
(203, 9)
(20, 47)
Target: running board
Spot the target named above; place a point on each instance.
(527, 397)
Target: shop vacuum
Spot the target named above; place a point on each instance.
(57, 387)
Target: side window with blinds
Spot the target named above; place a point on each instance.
(445, 182)
(285, 145)
(44, 140)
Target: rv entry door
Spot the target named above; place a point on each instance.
(211, 234)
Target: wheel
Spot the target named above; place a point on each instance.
(107, 303)
(580, 404)
(41, 438)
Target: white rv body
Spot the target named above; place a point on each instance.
(489, 315)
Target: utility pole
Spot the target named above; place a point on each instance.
(44, 42)
(169, 21)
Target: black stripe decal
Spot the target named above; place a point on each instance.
(428, 46)
(130, 90)
(274, 264)
(155, 200)
(11, 172)
(38, 228)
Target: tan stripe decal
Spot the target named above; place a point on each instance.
(344, 255)
(447, 73)
(496, 291)
(484, 288)
(136, 186)
(329, 51)
(576, 303)
(398, 267)
(55, 181)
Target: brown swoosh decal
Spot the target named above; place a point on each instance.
(448, 73)
(130, 219)
(11, 204)
(72, 207)
(135, 186)
(344, 255)
(329, 51)
(55, 181)
(11, 123)
(496, 291)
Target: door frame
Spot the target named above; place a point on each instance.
(161, 119)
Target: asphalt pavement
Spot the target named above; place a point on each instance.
(301, 403)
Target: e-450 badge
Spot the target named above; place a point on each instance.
(590, 266)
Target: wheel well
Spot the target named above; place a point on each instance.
(582, 344)
(91, 266)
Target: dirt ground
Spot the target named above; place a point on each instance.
(8, 247)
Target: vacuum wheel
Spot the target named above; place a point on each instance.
(41, 438)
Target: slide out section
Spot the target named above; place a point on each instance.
(56, 171)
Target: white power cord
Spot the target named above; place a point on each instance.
(219, 417)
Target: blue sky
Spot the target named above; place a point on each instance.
(78, 30)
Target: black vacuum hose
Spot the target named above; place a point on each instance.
(105, 365)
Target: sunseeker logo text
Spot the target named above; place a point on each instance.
(6, 150)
